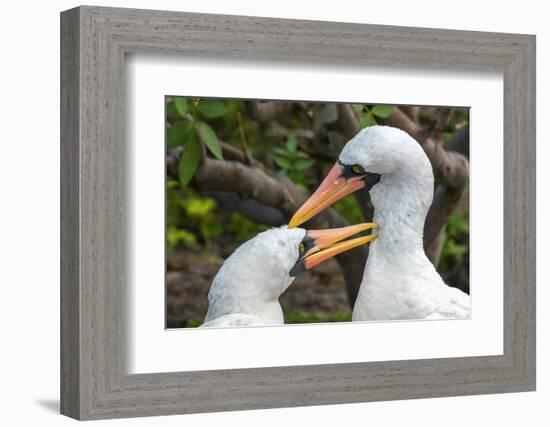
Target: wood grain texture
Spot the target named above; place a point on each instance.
(94, 382)
(70, 292)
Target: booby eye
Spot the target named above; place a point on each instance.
(358, 170)
(302, 248)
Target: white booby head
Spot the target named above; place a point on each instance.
(387, 162)
(399, 281)
(247, 287)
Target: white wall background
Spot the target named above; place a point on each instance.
(29, 212)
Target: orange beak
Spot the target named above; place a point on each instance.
(333, 188)
(321, 245)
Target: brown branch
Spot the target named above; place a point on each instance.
(231, 152)
(263, 111)
(442, 118)
(247, 182)
(347, 122)
(411, 112)
(172, 161)
(253, 184)
(444, 202)
(460, 142)
(250, 208)
(315, 150)
(276, 130)
(400, 120)
(446, 199)
(450, 168)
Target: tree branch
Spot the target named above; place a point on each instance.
(250, 208)
(442, 118)
(445, 200)
(347, 121)
(402, 121)
(247, 182)
(231, 152)
(269, 200)
(460, 142)
(450, 167)
(264, 111)
(411, 112)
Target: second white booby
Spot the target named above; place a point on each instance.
(246, 289)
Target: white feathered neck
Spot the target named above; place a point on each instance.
(253, 278)
(403, 195)
(399, 281)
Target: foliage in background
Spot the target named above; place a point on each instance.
(368, 114)
(292, 161)
(198, 126)
(456, 241)
(306, 317)
(189, 130)
(193, 220)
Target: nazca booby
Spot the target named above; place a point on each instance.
(246, 289)
(399, 281)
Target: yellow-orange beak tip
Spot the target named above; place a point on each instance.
(331, 242)
(294, 222)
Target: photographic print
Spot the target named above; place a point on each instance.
(278, 228)
(281, 212)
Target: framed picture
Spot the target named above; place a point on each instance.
(262, 213)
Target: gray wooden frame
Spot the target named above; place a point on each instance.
(94, 41)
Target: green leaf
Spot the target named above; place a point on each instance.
(303, 164)
(171, 111)
(179, 133)
(340, 316)
(447, 136)
(181, 106)
(172, 184)
(357, 107)
(189, 160)
(383, 111)
(348, 207)
(208, 136)
(457, 225)
(367, 119)
(282, 162)
(301, 317)
(292, 144)
(199, 207)
(211, 227)
(211, 108)
(175, 236)
(280, 151)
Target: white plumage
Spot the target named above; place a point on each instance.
(247, 288)
(235, 319)
(399, 281)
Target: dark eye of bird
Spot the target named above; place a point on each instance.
(358, 170)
